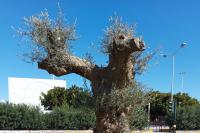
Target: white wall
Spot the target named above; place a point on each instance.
(2, 101)
(28, 90)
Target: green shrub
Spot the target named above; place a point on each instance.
(24, 117)
(69, 118)
(20, 117)
(30, 118)
(55, 97)
(75, 97)
(188, 117)
(139, 119)
(9, 117)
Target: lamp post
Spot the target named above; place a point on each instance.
(172, 84)
(173, 66)
(173, 69)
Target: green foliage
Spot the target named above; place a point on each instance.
(75, 97)
(30, 118)
(61, 118)
(188, 117)
(78, 97)
(131, 100)
(69, 118)
(183, 99)
(119, 99)
(160, 103)
(56, 97)
(139, 119)
(20, 117)
(83, 102)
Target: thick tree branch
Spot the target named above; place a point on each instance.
(70, 64)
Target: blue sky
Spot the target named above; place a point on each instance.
(164, 24)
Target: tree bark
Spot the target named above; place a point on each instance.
(70, 64)
(117, 75)
(105, 123)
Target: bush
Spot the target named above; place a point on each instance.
(23, 117)
(30, 118)
(69, 118)
(139, 119)
(9, 117)
(188, 117)
(75, 97)
(55, 97)
(20, 117)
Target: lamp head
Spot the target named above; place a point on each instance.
(183, 45)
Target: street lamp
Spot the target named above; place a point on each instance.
(183, 45)
(172, 85)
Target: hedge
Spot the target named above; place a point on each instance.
(188, 118)
(23, 117)
(61, 118)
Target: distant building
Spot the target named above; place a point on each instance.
(2, 101)
(28, 90)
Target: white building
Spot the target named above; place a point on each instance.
(2, 101)
(28, 90)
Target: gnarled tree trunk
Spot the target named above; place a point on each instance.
(120, 44)
(117, 75)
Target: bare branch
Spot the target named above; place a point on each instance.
(141, 62)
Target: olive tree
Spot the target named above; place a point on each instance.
(51, 42)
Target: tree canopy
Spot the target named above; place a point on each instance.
(74, 96)
(160, 103)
